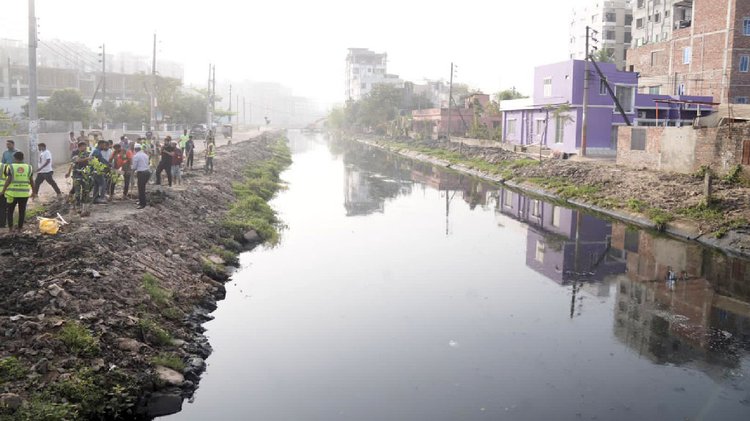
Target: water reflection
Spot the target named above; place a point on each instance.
(676, 302)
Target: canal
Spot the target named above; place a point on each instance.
(400, 291)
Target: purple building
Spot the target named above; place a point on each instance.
(535, 120)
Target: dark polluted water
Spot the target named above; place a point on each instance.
(403, 292)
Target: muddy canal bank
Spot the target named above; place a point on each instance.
(673, 203)
(104, 319)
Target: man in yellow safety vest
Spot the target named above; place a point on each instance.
(17, 189)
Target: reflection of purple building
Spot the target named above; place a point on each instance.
(562, 244)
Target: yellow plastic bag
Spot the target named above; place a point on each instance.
(49, 226)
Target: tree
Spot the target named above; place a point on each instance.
(603, 56)
(508, 94)
(65, 105)
(478, 130)
(131, 113)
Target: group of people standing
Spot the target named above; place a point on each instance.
(96, 172)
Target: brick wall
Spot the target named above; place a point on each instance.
(648, 158)
(684, 150)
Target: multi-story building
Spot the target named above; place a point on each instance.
(693, 47)
(364, 69)
(612, 21)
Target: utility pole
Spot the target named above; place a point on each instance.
(104, 85)
(586, 76)
(33, 112)
(208, 99)
(450, 103)
(244, 114)
(152, 94)
(230, 103)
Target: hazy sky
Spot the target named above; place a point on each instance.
(302, 44)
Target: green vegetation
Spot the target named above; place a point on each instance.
(158, 294)
(701, 173)
(154, 333)
(11, 369)
(172, 361)
(229, 257)
(732, 225)
(567, 190)
(708, 211)
(659, 217)
(734, 175)
(637, 205)
(39, 409)
(78, 339)
(172, 313)
(251, 210)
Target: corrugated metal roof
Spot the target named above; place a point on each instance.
(725, 113)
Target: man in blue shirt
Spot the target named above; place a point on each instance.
(7, 160)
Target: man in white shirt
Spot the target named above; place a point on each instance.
(44, 171)
(142, 173)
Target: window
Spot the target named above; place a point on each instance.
(626, 97)
(610, 17)
(559, 128)
(637, 139)
(602, 86)
(639, 23)
(657, 17)
(741, 100)
(555, 216)
(628, 37)
(687, 53)
(640, 4)
(539, 129)
(609, 35)
(746, 26)
(666, 14)
(511, 127)
(681, 89)
(594, 18)
(536, 208)
(508, 199)
(363, 86)
(539, 257)
(744, 63)
(654, 90)
(628, 20)
(547, 87)
(656, 58)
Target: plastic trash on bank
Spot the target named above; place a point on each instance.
(51, 226)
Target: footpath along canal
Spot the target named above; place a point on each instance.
(401, 291)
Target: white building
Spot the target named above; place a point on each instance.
(654, 20)
(364, 69)
(612, 20)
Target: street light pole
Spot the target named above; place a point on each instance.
(33, 111)
(450, 104)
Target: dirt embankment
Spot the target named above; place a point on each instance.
(104, 319)
(668, 201)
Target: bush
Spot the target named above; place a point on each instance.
(156, 334)
(160, 295)
(78, 339)
(169, 360)
(11, 369)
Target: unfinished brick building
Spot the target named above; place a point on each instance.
(703, 50)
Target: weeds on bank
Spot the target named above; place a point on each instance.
(659, 217)
(78, 339)
(229, 257)
(169, 360)
(731, 226)
(565, 189)
(251, 211)
(707, 211)
(152, 331)
(11, 369)
(158, 294)
(637, 205)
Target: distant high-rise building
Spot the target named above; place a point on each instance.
(364, 69)
(612, 20)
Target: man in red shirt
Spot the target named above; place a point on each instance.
(122, 159)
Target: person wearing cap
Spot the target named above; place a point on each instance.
(142, 173)
(122, 160)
